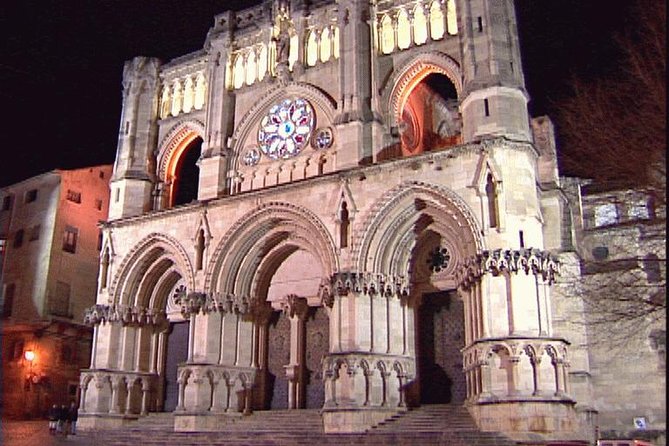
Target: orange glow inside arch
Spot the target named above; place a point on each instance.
(171, 173)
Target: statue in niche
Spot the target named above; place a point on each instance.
(281, 39)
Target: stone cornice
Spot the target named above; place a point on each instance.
(194, 303)
(356, 173)
(498, 261)
(125, 314)
(363, 284)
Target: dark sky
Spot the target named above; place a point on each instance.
(61, 63)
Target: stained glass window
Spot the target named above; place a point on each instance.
(286, 129)
(323, 138)
(251, 157)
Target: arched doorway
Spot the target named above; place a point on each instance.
(427, 234)
(297, 335)
(280, 255)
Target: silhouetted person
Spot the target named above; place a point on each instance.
(53, 418)
(73, 416)
(62, 420)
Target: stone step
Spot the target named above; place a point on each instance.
(445, 425)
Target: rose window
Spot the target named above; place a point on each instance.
(286, 129)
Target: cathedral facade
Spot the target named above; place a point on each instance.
(334, 205)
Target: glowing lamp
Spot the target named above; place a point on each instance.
(29, 355)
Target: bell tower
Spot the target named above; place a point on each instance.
(134, 169)
(494, 100)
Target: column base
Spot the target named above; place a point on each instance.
(355, 420)
(531, 420)
(91, 422)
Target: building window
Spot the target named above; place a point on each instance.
(59, 302)
(18, 238)
(31, 196)
(70, 239)
(638, 210)
(102, 175)
(8, 301)
(7, 203)
(98, 204)
(17, 350)
(66, 355)
(34, 233)
(74, 196)
(651, 266)
(491, 195)
(606, 214)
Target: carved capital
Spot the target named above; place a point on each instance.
(295, 306)
(512, 261)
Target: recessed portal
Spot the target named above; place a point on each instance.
(440, 340)
(177, 352)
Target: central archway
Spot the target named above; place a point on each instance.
(279, 255)
(425, 233)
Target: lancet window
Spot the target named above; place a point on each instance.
(183, 95)
(400, 28)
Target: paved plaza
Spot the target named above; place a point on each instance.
(36, 433)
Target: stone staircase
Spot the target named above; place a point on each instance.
(451, 423)
(438, 425)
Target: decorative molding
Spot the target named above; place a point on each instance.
(498, 261)
(125, 314)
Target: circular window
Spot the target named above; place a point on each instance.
(251, 157)
(323, 138)
(286, 129)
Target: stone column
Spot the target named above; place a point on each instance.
(296, 309)
(365, 372)
(114, 404)
(146, 389)
(129, 384)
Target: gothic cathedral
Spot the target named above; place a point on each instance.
(334, 205)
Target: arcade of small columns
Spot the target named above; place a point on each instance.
(372, 354)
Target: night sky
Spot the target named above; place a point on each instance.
(61, 64)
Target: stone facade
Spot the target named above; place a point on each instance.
(49, 261)
(336, 205)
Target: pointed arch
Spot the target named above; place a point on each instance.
(405, 213)
(152, 261)
(488, 184)
(324, 106)
(407, 77)
(252, 249)
(174, 143)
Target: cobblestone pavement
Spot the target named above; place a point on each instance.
(36, 433)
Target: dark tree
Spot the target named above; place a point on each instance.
(613, 129)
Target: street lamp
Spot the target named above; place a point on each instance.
(29, 355)
(32, 377)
